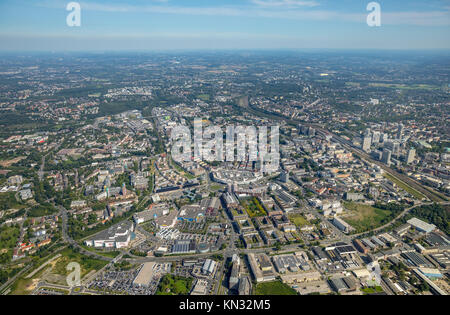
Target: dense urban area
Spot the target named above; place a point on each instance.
(358, 205)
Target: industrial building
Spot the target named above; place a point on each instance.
(421, 225)
(343, 284)
(291, 263)
(342, 225)
(184, 247)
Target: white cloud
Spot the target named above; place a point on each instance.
(285, 3)
(305, 10)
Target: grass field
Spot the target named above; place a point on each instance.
(274, 288)
(42, 210)
(8, 237)
(110, 254)
(298, 220)
(204, 97)
(174, 285)
(376, 289)
(405, 187)
(216, 187)
(87, 263)
(8, 163)
(56, 272)
(25, 286)
(365, 217)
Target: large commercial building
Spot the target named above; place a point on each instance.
(117, 236)
(421, 225)
(191, 213)
(153, 212)
(184, 247)
(160, 213)
(342, 225)
(261, 267)
(209, 266)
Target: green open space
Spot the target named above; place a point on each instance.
(8, 201)
(298, 220)
(87, 264)
(42, 210)
(174, 285)
(364, 217)
(105, 253)
(56, 272)
(372, 290)
(274, 288)
(204, 97)
(8, 239)
(253, 207)
(216, 187)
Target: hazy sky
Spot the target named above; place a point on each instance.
(223, 24)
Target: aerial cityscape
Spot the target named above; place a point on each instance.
(355, 200)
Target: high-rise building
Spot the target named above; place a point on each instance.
(393, 146)
(284, 177)
(411, 156)
(386, 158)
(367, 142)
(376, 137)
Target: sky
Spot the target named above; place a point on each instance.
(40, 25)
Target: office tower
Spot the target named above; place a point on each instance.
(411, 156)
(393, 146)
(366, 144)
(386, 158)
(376, 137)
(284, 177)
